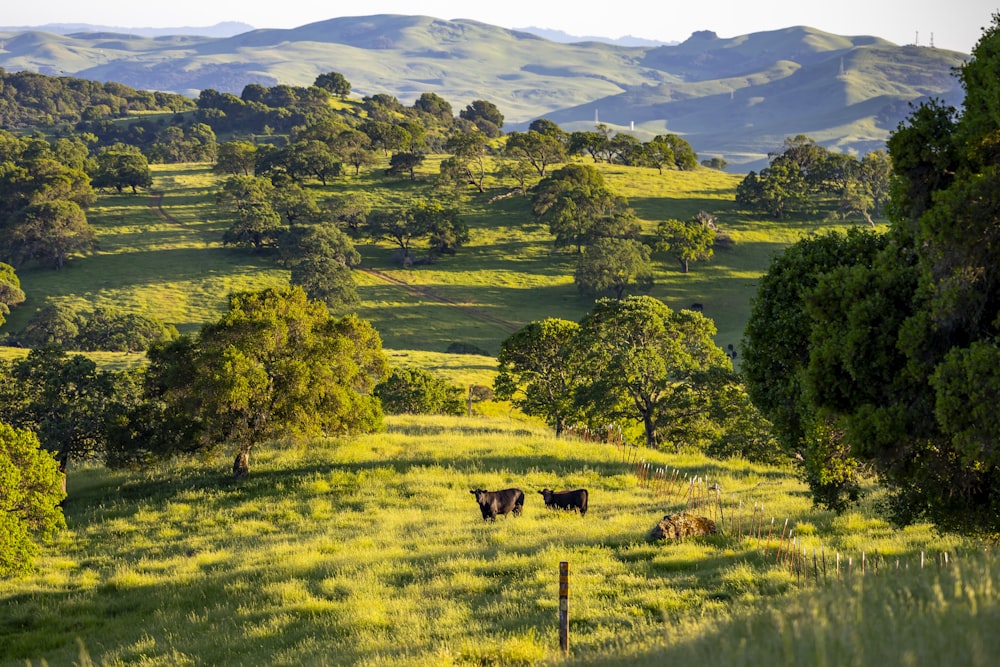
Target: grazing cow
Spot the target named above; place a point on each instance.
(567, 500)
(492, 503)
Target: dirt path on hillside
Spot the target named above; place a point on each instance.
(156, 205)
(431, 295)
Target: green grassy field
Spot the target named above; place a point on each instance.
(372, 551)
(161, 254)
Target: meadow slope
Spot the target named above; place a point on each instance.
(371, 551)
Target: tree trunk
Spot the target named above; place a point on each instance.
(650, 428)
(241, 466)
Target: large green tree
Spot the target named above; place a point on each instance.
(50, 232)
(614, 266)
(652, 366)
(237, 158)
(687, 241)
(777, 354)
(468, 164)
(248, 203)
(540, 367)
(579, 208)
(278, 366)
(61, 398)
(321, 258)
(122, 166)
(484, 115)
(902, 347)
(335, 82)
(540, 149)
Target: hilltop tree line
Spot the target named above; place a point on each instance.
(798, 180)
(29, 99)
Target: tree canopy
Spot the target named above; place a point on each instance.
(540, 368)
(11, 293)
(899, 366)
(657, 367)
(276, 366)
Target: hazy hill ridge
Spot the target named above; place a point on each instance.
(736, 97)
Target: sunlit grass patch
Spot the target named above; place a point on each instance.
(371, 550)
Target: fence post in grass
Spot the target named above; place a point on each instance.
(564, 606)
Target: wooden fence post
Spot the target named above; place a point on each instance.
(564, 606)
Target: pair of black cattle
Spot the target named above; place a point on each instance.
(492, 503)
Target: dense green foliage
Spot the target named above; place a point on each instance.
(631, 363)
(651, 366)
(798, 178)
(31, 489)
(99, 329)
(30, 99)
(579, 208)
(415, 391)
(65, 400)
(896, 344)
(44, 190)
(539, 369)
(777, 352)
(11, 293)
(276, 366)
(688, 241)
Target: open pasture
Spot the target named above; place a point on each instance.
(372, 551)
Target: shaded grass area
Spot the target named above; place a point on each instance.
(372, 551)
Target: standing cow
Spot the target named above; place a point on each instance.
(567, 500)
(492, 503)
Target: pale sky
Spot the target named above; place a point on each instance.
(954, 24)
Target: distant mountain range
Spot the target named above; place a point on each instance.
(225, 29)
(737, 98)
(566, 38)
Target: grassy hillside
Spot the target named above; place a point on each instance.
(161, 254)
(735, 97)
(371, 551)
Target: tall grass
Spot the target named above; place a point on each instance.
(372, 551)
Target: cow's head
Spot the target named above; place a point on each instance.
(546, 494)
(480, 495)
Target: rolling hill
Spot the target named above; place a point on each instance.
(737, 98)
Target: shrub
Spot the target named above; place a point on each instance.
(415, 391)
(30, 493)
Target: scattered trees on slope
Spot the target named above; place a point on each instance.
(804, 173)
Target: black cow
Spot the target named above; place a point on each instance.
(492, 503)
(567, 500)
